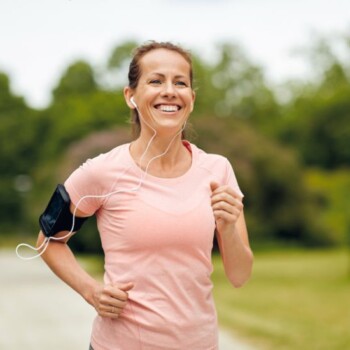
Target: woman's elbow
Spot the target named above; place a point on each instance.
(239, 277)
(239, 282)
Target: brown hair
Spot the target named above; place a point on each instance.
(135, 73)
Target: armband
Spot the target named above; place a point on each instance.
(57, 216)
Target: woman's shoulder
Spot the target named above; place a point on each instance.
(109, 158)
(217, 166)
(96, 174)
(207, 159)
(98, 167)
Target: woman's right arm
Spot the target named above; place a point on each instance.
(108, 300)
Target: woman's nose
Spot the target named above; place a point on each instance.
(168, 89)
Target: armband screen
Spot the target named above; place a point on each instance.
(57, 216)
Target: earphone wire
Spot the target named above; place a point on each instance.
(46, 241)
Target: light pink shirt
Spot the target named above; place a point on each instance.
(160, 237)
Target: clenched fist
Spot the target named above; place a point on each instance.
(227, 206)
(110, 300)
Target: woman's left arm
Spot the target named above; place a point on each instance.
(232, 234)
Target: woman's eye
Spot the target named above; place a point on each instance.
(155, 81)
(181, 83)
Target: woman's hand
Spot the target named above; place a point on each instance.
(227, 206)
(233, 236)
(110, 300)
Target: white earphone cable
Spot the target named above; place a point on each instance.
(46, 241)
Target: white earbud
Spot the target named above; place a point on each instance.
(133, 102)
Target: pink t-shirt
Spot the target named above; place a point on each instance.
(159, 236)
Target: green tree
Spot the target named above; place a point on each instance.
(316, 120)
(233, 86)
(80, 106)
(78, 79)
(19, 134)
(236, 115)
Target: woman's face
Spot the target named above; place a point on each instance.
(164, 95)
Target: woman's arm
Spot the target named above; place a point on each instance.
(232, 234)
(108, 301)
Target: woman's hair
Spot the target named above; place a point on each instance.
(135, 72)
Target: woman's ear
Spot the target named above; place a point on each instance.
(193, 99)
(128, 94)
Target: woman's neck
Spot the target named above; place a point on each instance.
(176, 159)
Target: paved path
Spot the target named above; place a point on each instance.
(37, 311)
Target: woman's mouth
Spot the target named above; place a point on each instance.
(168, 108)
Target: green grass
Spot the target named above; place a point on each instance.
(294, 300)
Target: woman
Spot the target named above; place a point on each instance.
(158, 202)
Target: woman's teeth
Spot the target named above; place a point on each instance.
(167, 108)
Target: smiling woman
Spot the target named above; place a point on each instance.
(163, 90)
(158, 202)
(163, 99)
(163, 51)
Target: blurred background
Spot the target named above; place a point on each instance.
(273, 95)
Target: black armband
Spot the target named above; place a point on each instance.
(57, 216)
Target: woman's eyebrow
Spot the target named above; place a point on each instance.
(179, 76)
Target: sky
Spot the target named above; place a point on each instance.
(40, 38)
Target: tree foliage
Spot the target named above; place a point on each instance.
(317, 121)
(19, 129)
(270, 144)
(76, 81)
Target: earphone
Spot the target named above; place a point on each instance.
(133, 102)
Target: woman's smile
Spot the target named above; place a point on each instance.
(167, 108)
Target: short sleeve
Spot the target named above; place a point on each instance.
(230, 179)
(84, 187)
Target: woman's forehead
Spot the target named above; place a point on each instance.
(160, 60)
